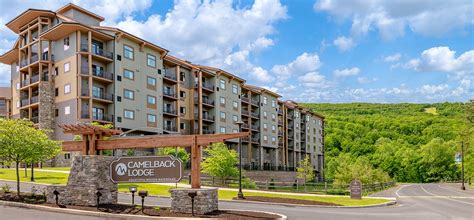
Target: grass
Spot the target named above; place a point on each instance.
(431, 110)
(163, 190)
(55, 168)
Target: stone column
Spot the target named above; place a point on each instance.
(206, 200)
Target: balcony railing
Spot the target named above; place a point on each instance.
(169, 128)
(34, 99)
(246, 126)
(169, 93)
(103, 95)
(280, 112)
(207, 101)
(255, 102)
(245, 112)
(255, 139)
(255, 114)
(34, 58)
(280, 133)
(255, 127)
(103, 53)
(34, 79)
(245, 99)
(207, 117)
(102, 117)
(102, 74)
(23, 63)
(205, 86)
(24, 102)
(85, 114)
(84, 92)
(169, 111)
(169, 75)
(207, 131)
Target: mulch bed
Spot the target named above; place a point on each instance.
(136, 210)
(285, 201)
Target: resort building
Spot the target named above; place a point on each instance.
(67, 68)
(5, 102)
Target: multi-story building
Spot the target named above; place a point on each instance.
(5, 102)
(67, 68)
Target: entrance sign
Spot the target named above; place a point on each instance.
(356, 189)
(147, 169)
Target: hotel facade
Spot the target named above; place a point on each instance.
(67, 68)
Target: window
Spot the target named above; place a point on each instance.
(265, 114)
(67, 110)
(235, 104)
(151, 99)
(223, 115)
(264, 100)
(314, 121)
(222, 101)
(297, 114)
(151, 118)
(128, 114)
(265, 126)
(67, 67)
(273, 116)
(128, 94)
(56, 112)
(182, 126)
(235, 118)
(128, 52)
(67, 88)
(17, 86)
(182, 76)
(273, 103)
(265, 138)
(128, 74)
(150, 60)
(235, 89)
(182, 94)
(150, 81)
(222, 84)
(66, 43)
(56, 91)
(182, 110)
(274, 139)
(273, 128)
(222, 129)
(67, 156)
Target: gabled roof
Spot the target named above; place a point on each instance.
(61, 30)
(178, 61)
(223, 72)
(263, 90)
(24, 18)
(9, 57)
(70, 6)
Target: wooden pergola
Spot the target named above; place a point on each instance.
(92, 143)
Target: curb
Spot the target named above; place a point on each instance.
(110, 215)
(314, 206)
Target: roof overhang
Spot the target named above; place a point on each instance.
(9, 57)
(64, 29)
(26, 17)
(177, 61)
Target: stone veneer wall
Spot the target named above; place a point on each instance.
(46, 107)
(88, 175)
(206, 200)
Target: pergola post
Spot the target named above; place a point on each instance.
(195, 165)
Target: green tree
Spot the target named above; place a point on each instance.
(180, 152)
(220, 162)
(437, 161)
(305, 171)
(20, 141)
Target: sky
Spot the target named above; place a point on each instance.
(331, 51)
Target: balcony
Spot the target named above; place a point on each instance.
(207, 131)
(280, 133)
(291, 117)
(245, 112)
(34, 58)
(280, 112)
(208, 101)
(205, 86)
(169, 111)
(280, 122)
(291, 127)
(255, 102)
(102, 117)
(170, 76)
(97, 51)
(280, 144)
(245, 99)
(35, 119)
(34, 99)
(85, 92)
(103, 96)
(255, 139)
(85, 114)
(45, 56)
(98, 72)
(170, 128)
(246, 139)
(24, 102)
(205, 117)
(255, 114)
(168, 93)
(255, 127)
(245, 126)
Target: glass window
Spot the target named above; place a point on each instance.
(223, 115)
(222, 84)
(151, 118)
(264, 100)
(151, 99)
(67, 67)
(128, 52)
(235, 118)
(235, 89)
(235, 104)
(273, 128)
(67, 110)
(129, 94)
(66, 43)
(222, 100)
(151, 81)
(222, 129)
(273, 139)
(265, 125)
(273, 116)
(265, 137)
(128, 74)
(67, 88)
(264, 114)
(151, 60)
(128, 114)
(273, 103)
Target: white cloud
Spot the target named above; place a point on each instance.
(392, 58)
(344, 43)
(433, 89)
(304, 63)
(261, 75)
(313, 79)
(354, 71)
(391, 18)
(443, 59)
(365, 80)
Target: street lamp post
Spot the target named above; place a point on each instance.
(240, 195)
(462, 166)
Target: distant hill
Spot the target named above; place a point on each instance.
(410, 142)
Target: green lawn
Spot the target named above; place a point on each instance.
(56, 168)
(163, 190)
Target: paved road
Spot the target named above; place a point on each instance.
(416, 201)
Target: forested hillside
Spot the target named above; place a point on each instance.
(409, 142)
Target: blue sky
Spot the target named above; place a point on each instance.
(308, 51)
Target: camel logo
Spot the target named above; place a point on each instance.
(121, 169)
